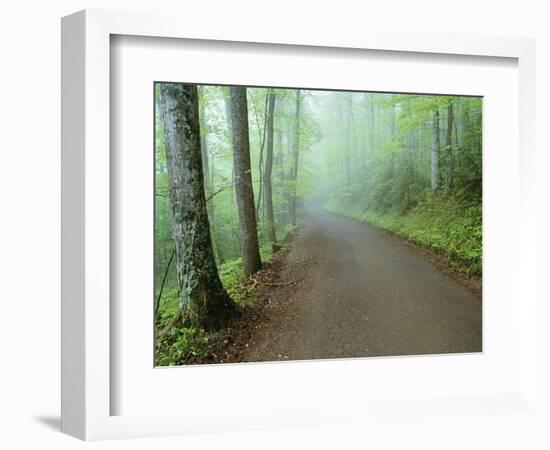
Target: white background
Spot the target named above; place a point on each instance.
(29, 239)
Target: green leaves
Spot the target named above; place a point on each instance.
(180, 346)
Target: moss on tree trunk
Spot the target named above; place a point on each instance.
(203, 298)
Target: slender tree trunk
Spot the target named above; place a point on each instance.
(227, 103)
(295, 155)
(393, 134)
(261, 136)
(449, 145)
(372, 124)
(202, 295)
(348, 140)
(435, 151)
(287, 173)
(243, 181)
(363, 144)
(213, 225)
(268, 195)
(279, 160)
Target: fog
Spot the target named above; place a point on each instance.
(354, 153)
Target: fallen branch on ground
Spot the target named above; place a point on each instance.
(284, 284)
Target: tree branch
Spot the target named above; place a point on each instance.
(164, 280)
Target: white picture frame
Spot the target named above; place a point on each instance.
(86, 325)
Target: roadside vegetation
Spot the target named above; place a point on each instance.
(177, 344)
(236, 166)
(450, 226)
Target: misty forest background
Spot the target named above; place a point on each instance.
(410, 164)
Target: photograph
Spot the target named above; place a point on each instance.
(295, 224)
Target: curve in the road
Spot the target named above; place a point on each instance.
(364, 293)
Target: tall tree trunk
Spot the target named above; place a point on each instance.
(243, 181)
(268, 196)
(279, 161)
(295, 155)
(393, 134)
(369, 104)
(435, 175)
(227, 103)
(449, 145)
(363, 143)
(348, 139)
(202, 295)
(261, 136)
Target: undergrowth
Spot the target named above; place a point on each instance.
(449, 225)
(186, 345)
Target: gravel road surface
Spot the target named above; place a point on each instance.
(361, 292)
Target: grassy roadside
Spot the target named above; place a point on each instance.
(450, 226)
(188, 345)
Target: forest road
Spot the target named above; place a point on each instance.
(361, 292)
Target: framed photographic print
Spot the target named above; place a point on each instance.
(272, 229)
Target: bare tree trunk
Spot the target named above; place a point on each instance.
(363, 144)
(449, 145)
(350, 140)
(279, 161)
(268, 195)
(435, 151)
(393, 134)
(295, 155)
(261, 136)
(202, 295)
(227, 103)
(243, 181)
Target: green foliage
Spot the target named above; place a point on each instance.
(370, 153)
(180, 346)
(183, 345)
(221, 190)
(383, 175)
(449, 225)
